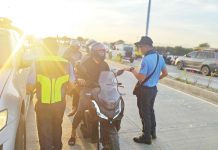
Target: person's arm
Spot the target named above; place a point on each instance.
(164, 73)
(31, 80)
(141, 74)
(140, 77)
(72, 78)
(107, 68)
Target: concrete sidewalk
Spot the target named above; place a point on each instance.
(184, 122)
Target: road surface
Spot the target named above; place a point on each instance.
(184, 122)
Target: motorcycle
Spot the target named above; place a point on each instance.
(102, 120)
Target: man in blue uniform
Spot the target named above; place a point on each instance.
(153, 68)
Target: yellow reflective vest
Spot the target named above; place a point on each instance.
(52, 76)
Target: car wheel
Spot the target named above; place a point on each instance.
(21, 134)
(205, 70)
(180, 65)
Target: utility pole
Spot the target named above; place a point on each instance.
(148, 17)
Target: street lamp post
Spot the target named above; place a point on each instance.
(148, 17)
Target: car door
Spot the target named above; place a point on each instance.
(190, 59)
(9, 98)
(200, 59)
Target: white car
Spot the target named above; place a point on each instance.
(124, 51)
(13, 99)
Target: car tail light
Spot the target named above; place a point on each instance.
(3, 118)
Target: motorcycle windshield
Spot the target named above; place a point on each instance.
(108, 84)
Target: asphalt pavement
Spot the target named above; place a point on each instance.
(184, 122)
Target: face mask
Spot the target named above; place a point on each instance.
(100, 58)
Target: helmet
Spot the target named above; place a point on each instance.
(73, 53)
(89, 44)
(98, 51)
(74, 44)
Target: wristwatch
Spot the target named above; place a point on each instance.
(131, 69)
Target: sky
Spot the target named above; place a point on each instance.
(184, 23)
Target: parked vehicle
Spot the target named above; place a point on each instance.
(170, 59)
(106, 113)
(13, 99)
(124, 51)
(205, 61)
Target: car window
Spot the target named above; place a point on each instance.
(5, 47)
(202, 55)
(128, 49)
(216, 55)
(192, 54)
(210, 55)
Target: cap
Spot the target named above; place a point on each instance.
(145, 40)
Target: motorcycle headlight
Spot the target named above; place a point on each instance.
(3, 118)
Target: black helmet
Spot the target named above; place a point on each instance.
(98, 51)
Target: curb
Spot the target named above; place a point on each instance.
(186, 88)
(190, 89)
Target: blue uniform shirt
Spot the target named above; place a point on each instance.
(148, 65)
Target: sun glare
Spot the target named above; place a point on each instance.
(48, 17)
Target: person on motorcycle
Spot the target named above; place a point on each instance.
(89, 72)
(73, 55)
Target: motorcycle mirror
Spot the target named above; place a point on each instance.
(119, 72)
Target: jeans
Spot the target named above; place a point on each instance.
(49, 123)
(145, 104)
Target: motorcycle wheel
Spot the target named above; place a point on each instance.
(114, 138)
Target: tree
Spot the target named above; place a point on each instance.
(203, 46)
(79, 38)
(178, 50)
(120, 42)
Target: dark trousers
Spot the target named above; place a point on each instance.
(49, 119)
(75, 95)
(145, 102)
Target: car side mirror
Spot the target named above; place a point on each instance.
(187, 56)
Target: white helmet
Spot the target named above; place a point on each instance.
(75, 43)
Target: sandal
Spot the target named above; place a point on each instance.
(72, 141)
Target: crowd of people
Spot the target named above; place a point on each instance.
(53, 77)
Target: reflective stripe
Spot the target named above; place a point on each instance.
(45, 88)
(58, 86)
(51, 89)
